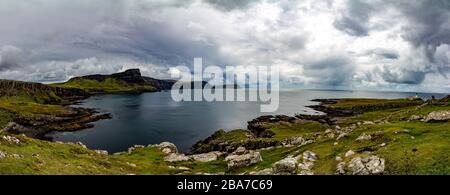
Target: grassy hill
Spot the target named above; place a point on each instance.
(129, 81)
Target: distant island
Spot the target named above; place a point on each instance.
(355, 136)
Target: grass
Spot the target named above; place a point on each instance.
(355, 102)
(109, 85)
(296, 130)
(24, 106)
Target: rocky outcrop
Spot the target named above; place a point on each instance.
(206, 157)
(285, 166)
(11, 139)
(39, 126)
(364, 137)
(174, 157)
(438, 116)
(167, 147)
(371, 165)
(242, 158)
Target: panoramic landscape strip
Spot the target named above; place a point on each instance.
(354, 136)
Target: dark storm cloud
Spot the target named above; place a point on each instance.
(330, 71)
(10, 58)
(383, 53)
(404, 76)
(429, 26)
(354, 20)
(231, 4)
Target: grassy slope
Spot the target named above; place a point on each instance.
(109, 85)
(423, 149)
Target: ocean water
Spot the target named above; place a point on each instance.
(151, 118)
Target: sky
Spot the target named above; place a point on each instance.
(395, 45)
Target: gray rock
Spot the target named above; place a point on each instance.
(102, 152)
(174, 157)
(349, 153)
(81, 144)
(368, 123)
(131, 164)
(285, 166)
(268, 171)
(306, 172)
(240, 150)
(340, 168)
(340, 136)
(298, 141)
(366, 166)
(309, 156)
(167, 147)
(17, 156)
(364, 137)
(206, 157)
(438, 116)
(338, 158)
(306, 165)
(2, 154)
(241, 159)
(415, 118)
(11, 139)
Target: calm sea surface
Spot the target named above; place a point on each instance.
(151, 118)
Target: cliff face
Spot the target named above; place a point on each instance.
(40, 92)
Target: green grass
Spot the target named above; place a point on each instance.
(5, 117)
(109, 85)
(355, 102)
(296, 130)
(23, 106)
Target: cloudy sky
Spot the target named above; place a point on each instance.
(341, 44)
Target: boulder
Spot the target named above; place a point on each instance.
(2, 154)
(239, 151)
(243, 158)
(174, 157)
(81, 144)
(415, 118)
(206, 157)
(268, 171)
(364, 137)
(306, 165)
(438, 116)
(167, 147)
(309, 156)
(366, 166)
(340, 168)
(285, 166)
(102, 152)
(349, 153)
